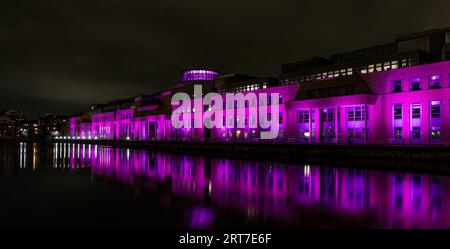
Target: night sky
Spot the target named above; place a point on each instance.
(61, 56)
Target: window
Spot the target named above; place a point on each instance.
(396, 86)
(415, 84)
(435, 132)
(415, 133)
(415, 111)
(358, 114)
(405, 62)
(327, 115)
(398, 111)
(398, 132)
(303, 117)
(435, 109)
(378, 67)
(350, 114)
(280, 100)
(394, 64)
(435, 81)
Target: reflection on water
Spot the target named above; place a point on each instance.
(297, 195)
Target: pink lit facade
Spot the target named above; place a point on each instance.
(408, 105)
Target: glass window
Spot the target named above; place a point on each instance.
(415, 84)
(398, 132)
(415, 111)
(415, 133)
(398, 111)
(303, 117)
(435, 132)
(435, 109)
(404, 62)
(379, 67)
(397, 86)
(358, 113)
(331, 115)
(435, 81)
(350, 114)
(394, 64)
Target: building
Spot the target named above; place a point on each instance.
(29, 130)
(9, 124)
(408, 50)
(397, 93)
(51, 125)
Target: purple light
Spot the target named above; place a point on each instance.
(435, 77)
(190, 75)
(200, 217)
(283, 189)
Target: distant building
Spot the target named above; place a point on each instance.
(28, 129)
(51, 126)
(9, 120)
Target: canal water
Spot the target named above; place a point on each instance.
(83, 186)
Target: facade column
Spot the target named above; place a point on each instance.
(336, 124)
(371, 126)
(343, 125)
(310, 126)
(445, 127)
(406, 115)
(317, 124)
(425, 122)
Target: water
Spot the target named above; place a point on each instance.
(72, 185)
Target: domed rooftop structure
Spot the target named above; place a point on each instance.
(199, 75)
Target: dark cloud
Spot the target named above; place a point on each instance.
(62, 55)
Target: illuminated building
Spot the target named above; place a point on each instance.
(403, 104)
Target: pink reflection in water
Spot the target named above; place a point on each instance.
(280, 191)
